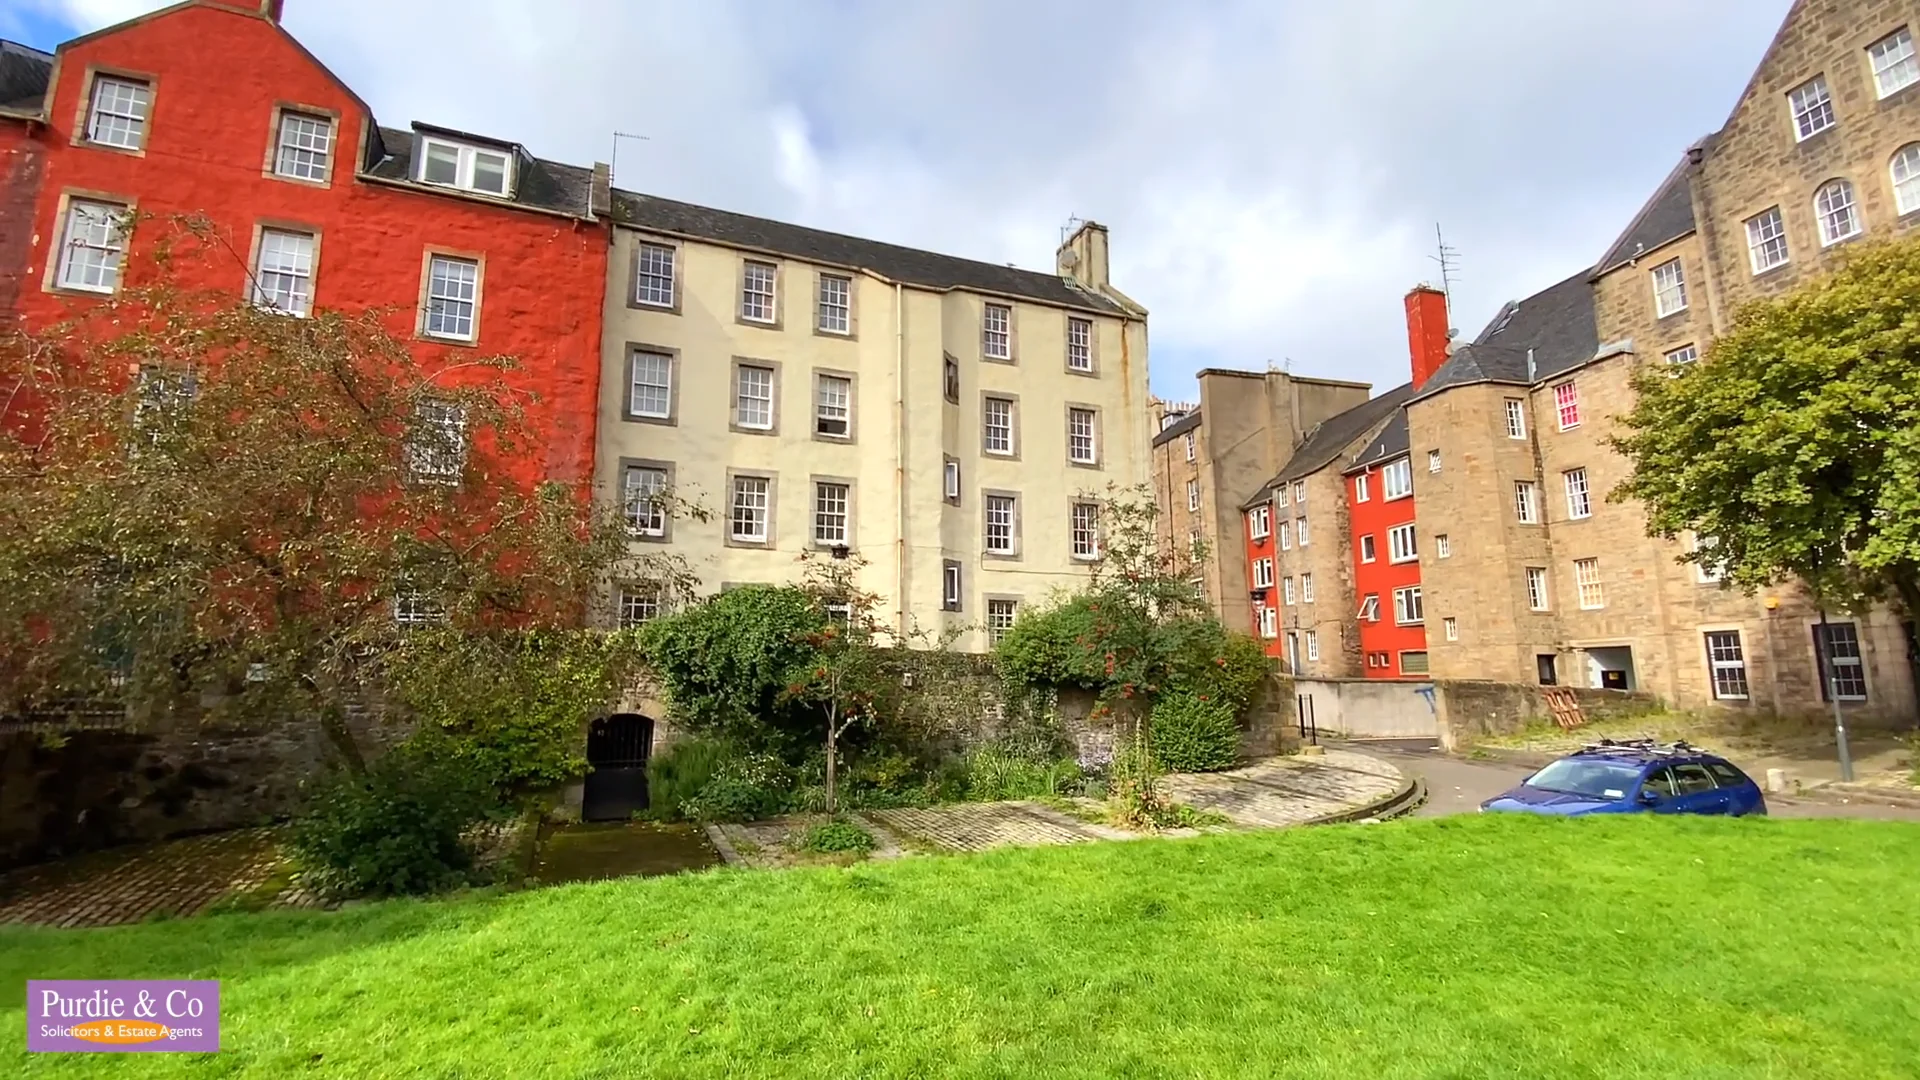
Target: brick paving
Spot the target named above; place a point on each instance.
(1284, 791)
(172, 878)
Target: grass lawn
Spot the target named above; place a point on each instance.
(1467, 947)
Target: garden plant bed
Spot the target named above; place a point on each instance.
(1477, 946)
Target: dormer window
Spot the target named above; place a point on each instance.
(452, 164)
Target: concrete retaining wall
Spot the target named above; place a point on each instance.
(1370, 708)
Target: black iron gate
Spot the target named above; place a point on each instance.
(617, 749)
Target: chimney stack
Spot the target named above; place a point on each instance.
(1083, 257)
(1428, 338)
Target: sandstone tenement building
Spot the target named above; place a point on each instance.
(1526, 570)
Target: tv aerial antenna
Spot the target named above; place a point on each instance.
(1448, 257)
(613, 163)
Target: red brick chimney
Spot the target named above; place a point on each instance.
(1427, 337)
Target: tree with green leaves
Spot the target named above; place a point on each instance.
(1792, 449)
(212, 511)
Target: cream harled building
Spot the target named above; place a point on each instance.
(952, 422)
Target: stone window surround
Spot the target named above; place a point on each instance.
(1679, 287)
(270, 167)
(84, 109)
(479, 261)
(772, 478)
(50, 280)
(1013, 333)
(620, 485)
(952, 599)
(672, 419)
(1099, 435)
(813, 508)
(1092, 371)
(950, 466)
(1819, 662)
(1707, 663)
(285, 225)
(852, 332)
(950, 378)
(642, 240)
(986, 602)
(1074, 505)
(740, 292)
(1019, 533)
(1013, 422)
(853, 404)
(733, 396)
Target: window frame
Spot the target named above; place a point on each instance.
(1910, 61)
(1579, 493)
(1369, 608)
(820, 511)
(671, 391)
(1286, 590)
(1361, 489)
(735, 481)
(85, 131)
(1566, 404)
(466, 159)
(1286, 535)
(1300, 532)
(1408, 607)
(1263, 573)
(1586, 576)
(950, 480)
(988, 401)
(1538, 598)
(1442, 546)
(823, 306)
(1400, 469)
(1450, 627)
(1260, 522)
(1857, 662)
(1807, 103)
(999, 608)
(1824, 211)
(1084, 349)
(1193, 495)
(476, 301)
(952, 585)
(1190, 445)
(989, 335)
(1090, 530)
(1433, 461)
(1403, 544)
(1306, 587)
(278, 146)
(1764, 229)
(257, 295)
(822, 379)
(752, 272)
(1673, 357)
(1906, 193)
(1516, 418)
(649, 272)
(1369, 548)
(1728, 656)
(117, 218)
(1313, 645)
(992, 501)
(1526, 502)
(1670, 296)
(660, 527)
(737, 420)
(629, 600)
(1075, 413)
(441, 465)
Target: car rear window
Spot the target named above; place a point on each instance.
(1727, 775)
(1597, 779)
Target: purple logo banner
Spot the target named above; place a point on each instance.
(119, 1016)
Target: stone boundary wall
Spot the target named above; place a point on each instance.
(1471, 709)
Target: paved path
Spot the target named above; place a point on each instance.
(1457, 786)
(122, 885)
(1270, 794)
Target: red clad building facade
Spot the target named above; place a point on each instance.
(477, 247)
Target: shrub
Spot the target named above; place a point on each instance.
(1192, 734)
(396, 829)
(677, 776)
(882, 781)
(726, 664)
(994, 774)
(745, 786)
(837, 837)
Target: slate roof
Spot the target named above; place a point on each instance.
(903, 264)
(1666, 217)
(1556, 324)
(538, 183)
(1392, 442)
(23, 76)
(1177, 428)
(1325, 443)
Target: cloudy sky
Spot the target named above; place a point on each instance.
(1271, 170)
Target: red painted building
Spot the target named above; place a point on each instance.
(1256, 532)
(211, 108)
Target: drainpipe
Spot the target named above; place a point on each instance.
(900, 458)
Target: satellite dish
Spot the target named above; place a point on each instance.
(1069, 258)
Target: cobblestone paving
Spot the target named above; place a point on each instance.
(1286, 791)
(178, 877)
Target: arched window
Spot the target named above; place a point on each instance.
(1906, 178)
(1834, 209)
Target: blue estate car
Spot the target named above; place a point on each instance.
(1634, 777)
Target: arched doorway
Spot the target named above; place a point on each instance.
(617, 750)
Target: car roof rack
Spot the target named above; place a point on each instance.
(1677, 748)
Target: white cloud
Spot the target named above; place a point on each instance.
(1271, 172)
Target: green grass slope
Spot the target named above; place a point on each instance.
(1467, 947)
